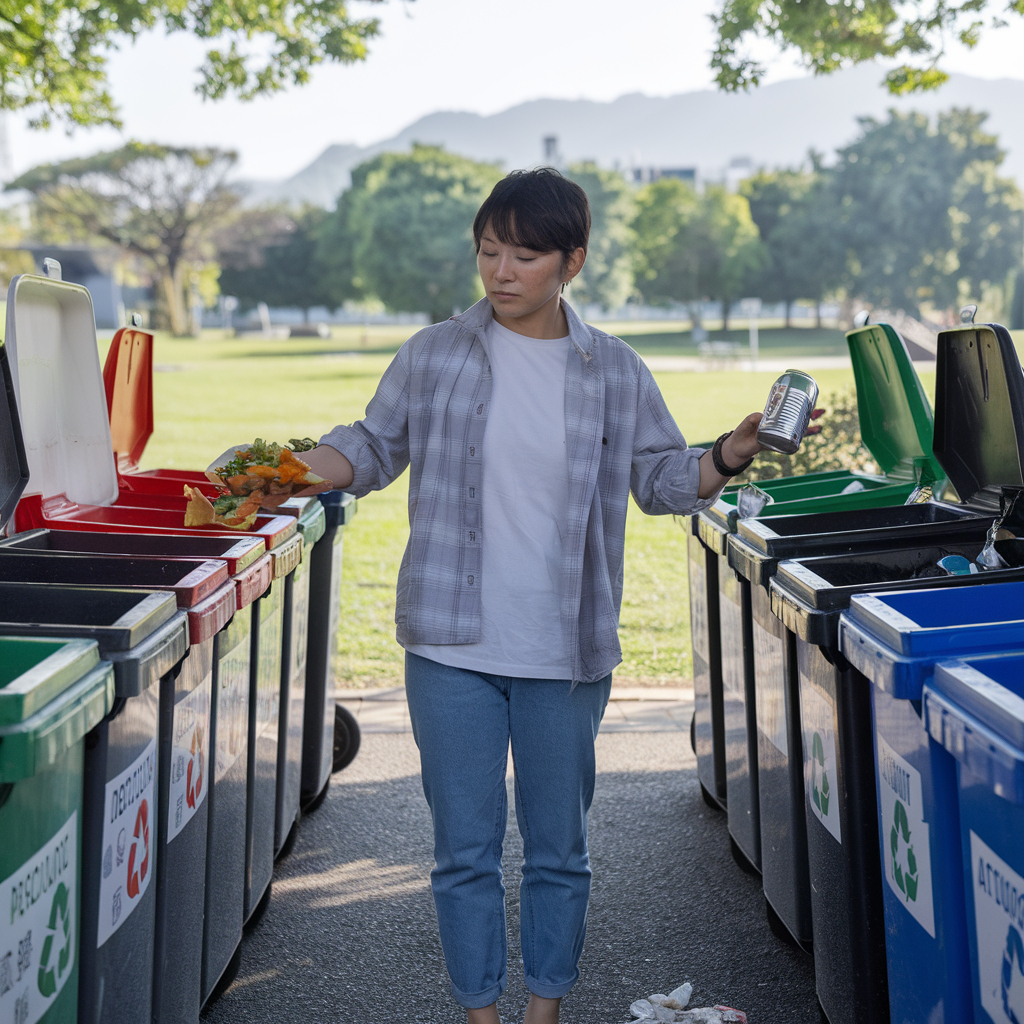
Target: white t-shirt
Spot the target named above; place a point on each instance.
(525, 511)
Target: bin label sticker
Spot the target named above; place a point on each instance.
(129, 842)
(37, 927)
(820, 764)
(769, 671)
(905, 836)
(999, 922)
(698, 607)
(190, 757)
(232, 708)
(733, 671)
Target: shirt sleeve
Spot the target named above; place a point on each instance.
(665, 474)
(378, 444)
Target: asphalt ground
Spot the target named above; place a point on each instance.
(350, 936)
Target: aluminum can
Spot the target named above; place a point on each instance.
(787, 412)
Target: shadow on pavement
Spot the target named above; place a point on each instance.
(350, 934)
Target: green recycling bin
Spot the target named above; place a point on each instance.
(52, 692)
(896, 426)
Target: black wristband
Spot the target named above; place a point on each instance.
(720, 467)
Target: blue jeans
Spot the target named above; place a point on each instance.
(462, 722)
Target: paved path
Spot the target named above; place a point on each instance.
(350, 935)
(631, 709)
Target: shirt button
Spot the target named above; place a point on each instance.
(471, 579)
(472, 449)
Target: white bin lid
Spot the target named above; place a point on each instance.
(51, 341)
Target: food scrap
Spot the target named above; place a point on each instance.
(237, 511)
(269, 468)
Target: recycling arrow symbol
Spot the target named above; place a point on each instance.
(820, 795)
(1013, 979)
(906, 880)
(59, 929)
(194, 788)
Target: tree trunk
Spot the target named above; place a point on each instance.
(789, 313)
(174, 300)
(817, 314)
(725, 315)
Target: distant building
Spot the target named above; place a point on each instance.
(645, 175)
(552, 154)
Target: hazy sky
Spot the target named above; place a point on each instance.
(478, 55)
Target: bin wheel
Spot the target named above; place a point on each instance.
(743, 862)
(225, 981)
(289, 842)
(259, 910)
(709, 799)
(693, 732)
(346, 737)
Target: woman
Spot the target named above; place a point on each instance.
(525, 431)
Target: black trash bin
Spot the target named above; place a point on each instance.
(979, 437)
(264, 712)
(896, 425)
(324, 623)
(312, 524)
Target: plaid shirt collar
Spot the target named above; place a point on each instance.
(479, 316)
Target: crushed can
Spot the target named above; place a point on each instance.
(787, 412)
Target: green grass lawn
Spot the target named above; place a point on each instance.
(212, 393)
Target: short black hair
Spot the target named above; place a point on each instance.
(539, 209)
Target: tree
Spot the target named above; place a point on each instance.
(282, 271)
(795, 214)
(923, 212)
(54, 54)
(607, 276)
(829, 36)
(159, 203)
(411, 215)
(693, 247)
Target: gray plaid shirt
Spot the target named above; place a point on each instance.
(429, 413)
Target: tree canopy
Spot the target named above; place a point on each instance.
(830, 35)
(54, 54)
(690, 248)
(158, 202)
(923, 212)
(607, 277)
(410, 216)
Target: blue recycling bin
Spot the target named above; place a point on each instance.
(895, 641)
(975, 708)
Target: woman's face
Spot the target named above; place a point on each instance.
(520, 281)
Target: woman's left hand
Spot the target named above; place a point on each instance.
(742, 443)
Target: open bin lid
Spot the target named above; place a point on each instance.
(128, 383)
(979, 413)
(895, 417)
(13, 461)
(51, 335)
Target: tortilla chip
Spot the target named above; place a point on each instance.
(199, 510)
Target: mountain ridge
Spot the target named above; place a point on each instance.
(774, 125)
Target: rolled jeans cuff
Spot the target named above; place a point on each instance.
(547, 991)
(478, 1000)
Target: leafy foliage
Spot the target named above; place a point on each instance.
(284, 270)
(410, 216)
(795, 214)
(829, 35)
(693, 247)
(924, 215)
(158, 202)
(607, 276)
(55, 53)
